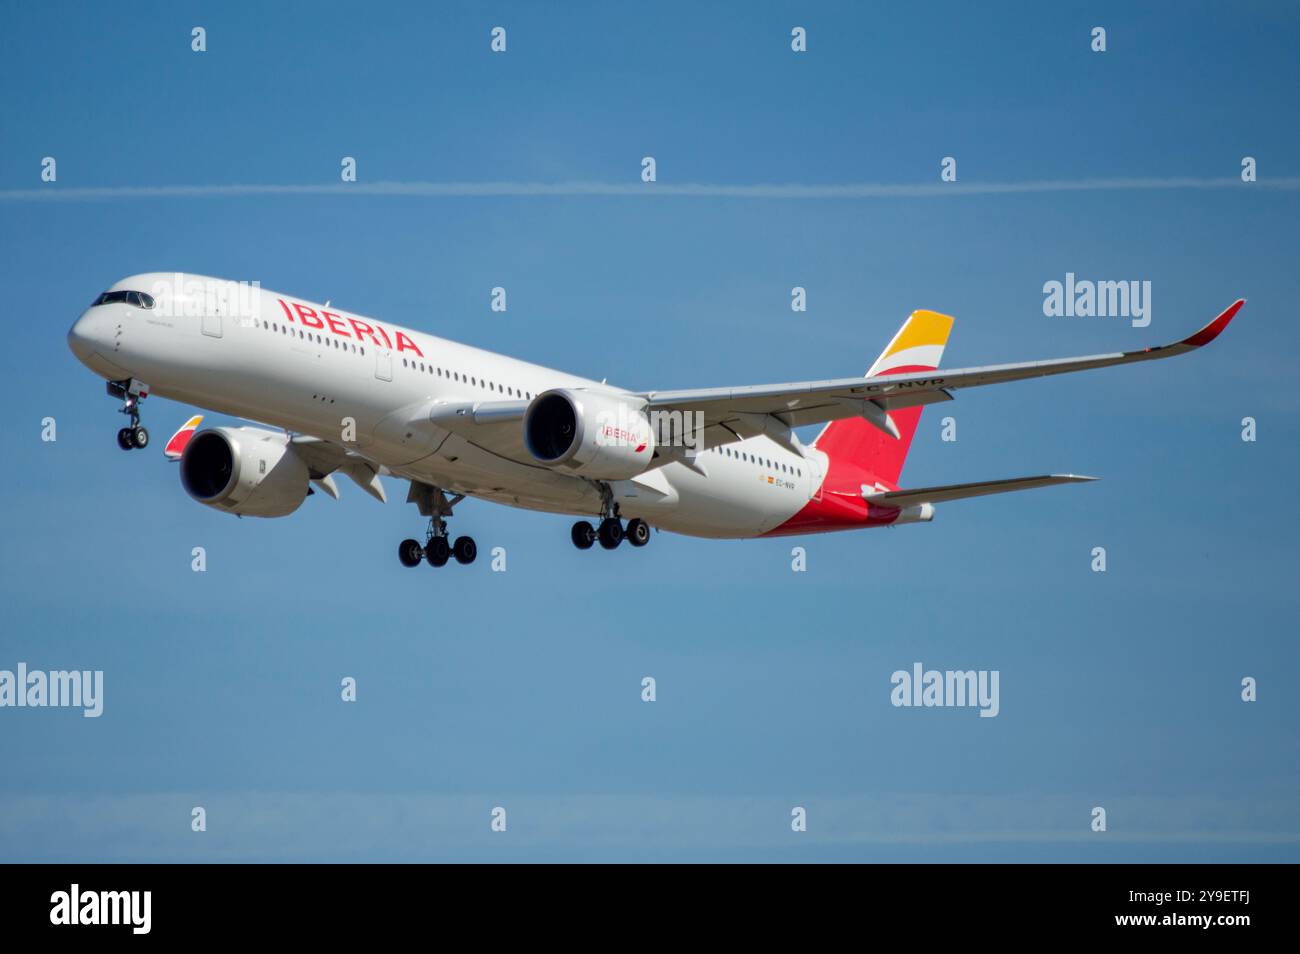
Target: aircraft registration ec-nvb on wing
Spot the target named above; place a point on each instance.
(364, 398)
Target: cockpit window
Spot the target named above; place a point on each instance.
(138, 299)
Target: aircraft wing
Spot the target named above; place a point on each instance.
(774, 408)
(932, 495)
(494, 426)
(731, 414)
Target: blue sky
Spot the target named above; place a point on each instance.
(522, 689)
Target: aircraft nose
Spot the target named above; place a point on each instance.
(85, 335)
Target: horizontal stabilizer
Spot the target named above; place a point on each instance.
(920, 495)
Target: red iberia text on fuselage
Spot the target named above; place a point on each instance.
(323, 320)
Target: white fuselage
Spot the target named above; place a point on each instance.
(318, 370)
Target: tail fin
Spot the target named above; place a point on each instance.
(176, 446)
(918, 346)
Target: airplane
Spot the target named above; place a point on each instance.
(355, 396)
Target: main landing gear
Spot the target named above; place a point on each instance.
(133, 437)
(437, 549)
(610, 532)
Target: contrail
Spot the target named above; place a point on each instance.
(56, 193)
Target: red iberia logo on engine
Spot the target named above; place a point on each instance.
(613, 434)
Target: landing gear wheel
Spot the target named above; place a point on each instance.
(410, 552)
(464, 549)
(133, 435)
(610, 532)
(437, 552)
(583, 535)
(638, 532)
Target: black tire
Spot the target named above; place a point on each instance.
(638, 532)
(410, 552)
(437, 552)
(139, 438)
(464, 549)
(124, 439)
(610, 533)
(583, 535)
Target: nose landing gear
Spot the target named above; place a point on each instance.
(131, 392)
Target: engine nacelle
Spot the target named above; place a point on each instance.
(596, 435)
(244, 470)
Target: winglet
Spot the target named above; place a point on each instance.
(176, 446)
(1214, 328)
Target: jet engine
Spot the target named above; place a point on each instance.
(244, 470)
(603, 436)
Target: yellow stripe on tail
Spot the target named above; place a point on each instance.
(918, 344)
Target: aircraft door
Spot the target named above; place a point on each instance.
(215, 305)
(383, 364)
